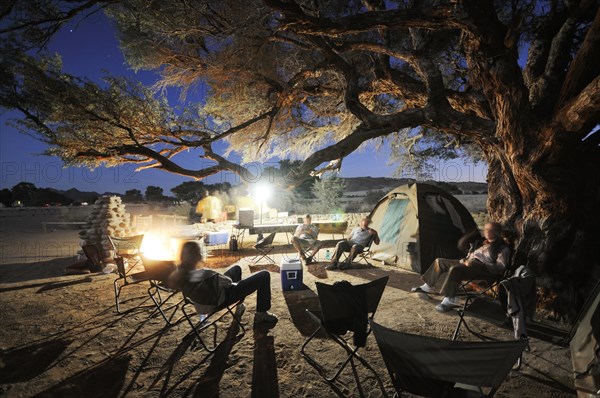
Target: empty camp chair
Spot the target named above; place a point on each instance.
(342, 310)
(210, 320)
(93, 256)
(157, 272)
(129, 248)
(125, 279)
(433, 367)
(92, 262)
(264, 247)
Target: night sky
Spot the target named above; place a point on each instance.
(89, 47)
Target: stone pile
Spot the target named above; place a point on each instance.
(108, 218)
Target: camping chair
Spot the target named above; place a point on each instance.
(364, 255)
(480, 287)
(264, 247)
(93, 256)
(127, 279)
(337, 313)
(210, 321)
(434, 367)
(489, 288)
(158, 272)
(128, 248)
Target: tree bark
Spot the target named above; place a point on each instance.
(555, 219)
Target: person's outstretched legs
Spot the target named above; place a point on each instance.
(460, 273)
(235, 273)
(354, 250)
(297, 243)
(341, 247)
(433, 274)
(260, 283)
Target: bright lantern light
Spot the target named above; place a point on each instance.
(262, 192)
(157, 247)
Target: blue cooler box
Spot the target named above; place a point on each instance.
(216, 238)
(291, 274)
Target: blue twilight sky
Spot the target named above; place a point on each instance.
(89, 48)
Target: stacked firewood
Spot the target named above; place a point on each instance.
(108, 218)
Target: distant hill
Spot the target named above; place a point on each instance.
(361, 184)
(81, 196)
(358, 186)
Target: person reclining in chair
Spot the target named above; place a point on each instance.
(210, 290)
(487, 260)
(360, 237)
(305, 239)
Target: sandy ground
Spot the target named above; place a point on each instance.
(61, 335)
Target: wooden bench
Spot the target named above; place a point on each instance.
(79, 224)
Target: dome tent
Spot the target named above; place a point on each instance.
(418, 223)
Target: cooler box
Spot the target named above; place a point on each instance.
(216, 238)
(291, 274)
(246, 217)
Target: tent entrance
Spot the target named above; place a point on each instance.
(393, 219)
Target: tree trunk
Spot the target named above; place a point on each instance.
(552, 203)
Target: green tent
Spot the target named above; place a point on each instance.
(418, 223)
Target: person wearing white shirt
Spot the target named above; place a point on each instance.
(305, 240)
(487, 261)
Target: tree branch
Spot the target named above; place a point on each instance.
(581, 113)
(544, 92)
(581, 71)
(442, 17)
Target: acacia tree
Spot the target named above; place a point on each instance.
(514, 83)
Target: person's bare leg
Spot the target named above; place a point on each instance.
(354, 251)
(315, 249)
(298, 246)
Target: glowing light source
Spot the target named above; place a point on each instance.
(157, 247)
(262, 192)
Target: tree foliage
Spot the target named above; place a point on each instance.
(133, 196)
(154, 194)
(513, 83)
(328, 192)
(189, 190)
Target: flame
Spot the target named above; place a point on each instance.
(156, 246)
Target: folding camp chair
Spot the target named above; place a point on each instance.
(93, 255)
(126, 279)
(337, 313)
(264, 247)
(470, 296)
(158, 272)
(434, 367)
(364, 255)
(128, 248)
(210, 321)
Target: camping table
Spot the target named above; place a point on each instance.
(328, 227)
(263, 229)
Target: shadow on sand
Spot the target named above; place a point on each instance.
(104, 379)
(23, 272)
(298, 302)
(25, 363)
(398, 280)
(264, 375)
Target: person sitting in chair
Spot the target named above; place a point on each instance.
(486, 260)
(210, 290)
(360, 237)
(305, 240)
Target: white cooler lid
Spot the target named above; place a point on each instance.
(290, 264)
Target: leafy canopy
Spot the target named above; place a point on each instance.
(296, 79)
